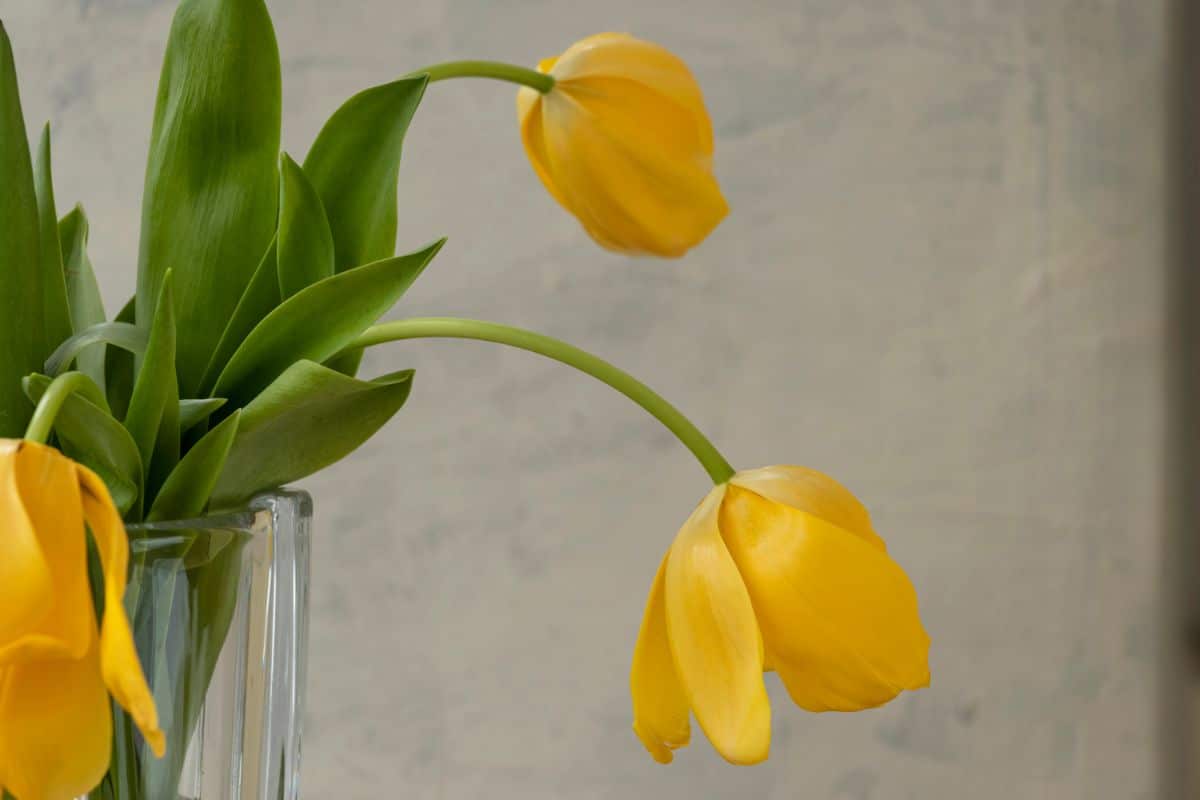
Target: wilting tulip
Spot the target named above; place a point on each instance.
(779, 569)
(623, 142)
(57, 665)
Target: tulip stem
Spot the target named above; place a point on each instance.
(56, 394)
(489, 69)
(451, 328)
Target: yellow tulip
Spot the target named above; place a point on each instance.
(58, 666)
(778, 569)
(623, 142)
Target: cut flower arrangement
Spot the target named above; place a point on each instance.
(233, 371)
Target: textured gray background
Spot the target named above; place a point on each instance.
(941, 282)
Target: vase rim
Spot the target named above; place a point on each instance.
(235, 518)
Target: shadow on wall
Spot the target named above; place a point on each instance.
(1179, 701)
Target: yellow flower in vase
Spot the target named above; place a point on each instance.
(778, 569)
(58, 666)
(623, 141)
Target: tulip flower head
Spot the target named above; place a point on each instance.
(58, 666)
(778, 569)
(623, 141)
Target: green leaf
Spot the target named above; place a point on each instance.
(347, 362)
(118, 369)
(129, 338)
(83, 291)
(305, 240)
(193, 412)
(155, 389)
(309, 418)
(167, 445)
(186, 492)
(354, 165)
(56, 313)
(21, 314)
(260, 298)
(318, 322)
(209, 205)
(93, 437)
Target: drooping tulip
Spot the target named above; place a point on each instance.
(624, 142)
(58, 663)
(778, 569)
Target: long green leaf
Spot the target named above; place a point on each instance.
(354, 165)
(167, 445)
(186, 492)
(309, 418)
(83, 290)
(129, 338)
(118, 368)
(209, 204)
(260, 298)
(21, 327)
(155, 388)
(318, 322)
(193, 412)
(305, 240)
(94, 438)
(56, 312)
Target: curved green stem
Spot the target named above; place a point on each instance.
(489, 69)
(128, 337)
(450, 328)
(56, 394)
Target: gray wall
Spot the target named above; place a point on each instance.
(942, 282)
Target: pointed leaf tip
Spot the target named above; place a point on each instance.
(354, 165)
(318, 322)
(56, 310)
(323, 413)
(306, 247)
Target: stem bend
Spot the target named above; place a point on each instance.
(453, 328)
(495, 70)
(56, 394)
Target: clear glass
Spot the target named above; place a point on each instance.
(219, 608)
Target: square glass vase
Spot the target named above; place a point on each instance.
(219, 608)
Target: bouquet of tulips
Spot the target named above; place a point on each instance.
(233, 370)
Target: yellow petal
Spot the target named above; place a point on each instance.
(533, 136)
(118, 658)
(612, 155)
(50, 494)
(660, 707)
(814, 492)
(620, 55)
(55, 728)
(555, 166)
(838, 616)
(715, 640)
(531, 110)
(24, 573)
(3, 747)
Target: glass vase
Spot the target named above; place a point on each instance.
(219, 608)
